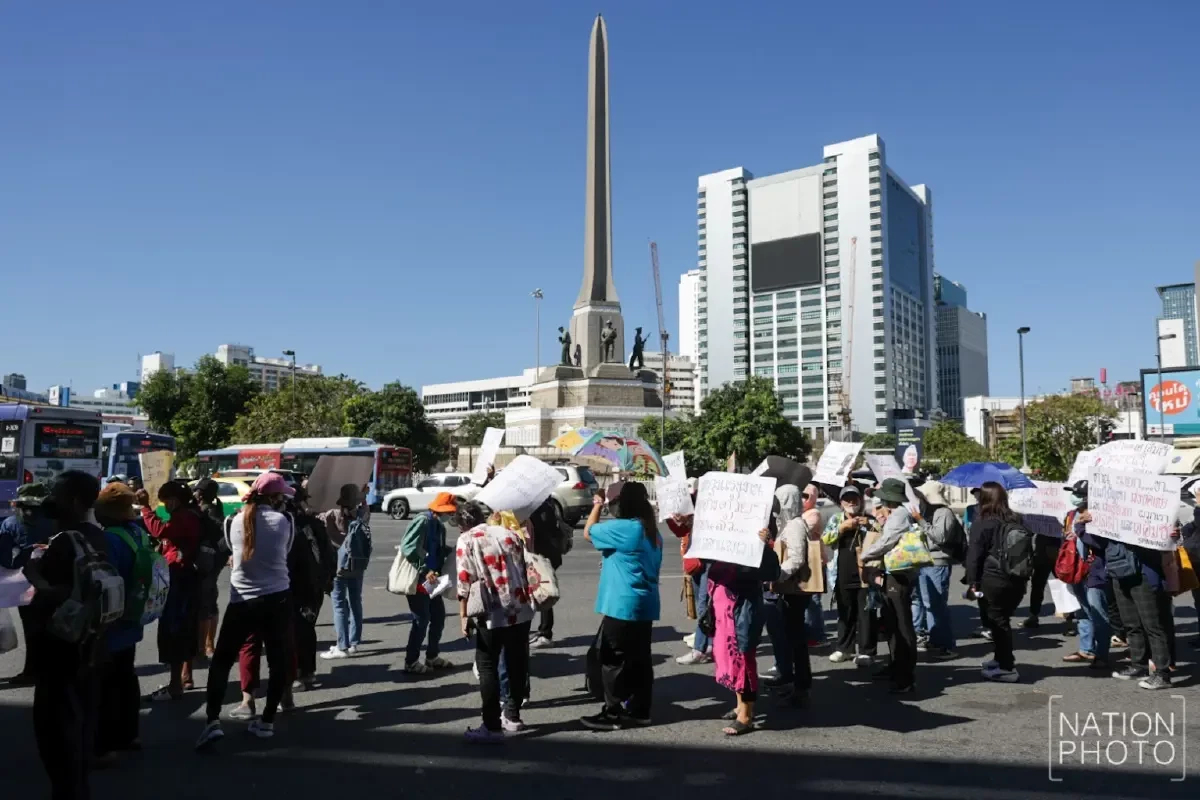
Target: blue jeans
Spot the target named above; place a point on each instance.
(814, 618)
(700, 584)
(931, 606)
(1094, 630)
(428, 615)
(777, 633)
(347, 611)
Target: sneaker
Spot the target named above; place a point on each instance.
(991, 663)
(1099, 664)
(438, 663)
(1132, 672)
(243, 713)
(864, 661)
(922, 640)
(212, 733)
(162, 695)
(837, 657)
(694, 657)
(1031, 622)
(352, 650)
(984, 633)
(790, 695)
(287, 702)
(923, 647)
(638, 722)
(482, 735)
(335, 652)
(540, 643)
(604, 721)
(475, 671)
(416, 668)
(942, 654)
(1001, 675)
(1118, 642)
(690, 640)
(1155, 680)
(263, 730)
(511, 724)
(907, 688)
(773, 678)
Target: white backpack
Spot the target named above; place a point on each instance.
(97, 596)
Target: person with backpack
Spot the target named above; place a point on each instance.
(179, 626)
(947, 542)
(1045, 551)
(424, 546)
(1080, 565)
(795, 530)
(128, 549)
(23, 533)
(350, 532)
(1139, 582)
(213, 519)
(550, 534)
(70, 575)
(311, 567)
(857, 626)
(260, 603)
(999, 564)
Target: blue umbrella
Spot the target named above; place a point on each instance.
(977, 473)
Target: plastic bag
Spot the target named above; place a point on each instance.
(8, 631)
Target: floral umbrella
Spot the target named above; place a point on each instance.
(627, 454)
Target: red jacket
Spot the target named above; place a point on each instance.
(179, 537)
(691, 566)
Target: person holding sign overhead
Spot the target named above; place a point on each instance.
(628, 600)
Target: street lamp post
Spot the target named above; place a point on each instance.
(1162, 427)
(536, 294)
(1021, 360)
(292, 353)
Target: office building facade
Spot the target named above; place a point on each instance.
(1179, 302)
(448, 404)
(687, 341)
(821, 279)
(156, 362)
(270, 373)
(962, 357)
(681, 371)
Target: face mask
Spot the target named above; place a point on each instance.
(1078, 502)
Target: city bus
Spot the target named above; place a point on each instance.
(238, 456)
(121, 448)
(39, 442)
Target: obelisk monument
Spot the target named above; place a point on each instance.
(597, 304)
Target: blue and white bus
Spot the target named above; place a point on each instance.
(39, 442)
(121, 449)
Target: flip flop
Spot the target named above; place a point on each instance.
(729, 716)
(738, 728)
(1078, 658)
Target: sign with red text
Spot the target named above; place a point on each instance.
(1133, 507)
(1044, 509)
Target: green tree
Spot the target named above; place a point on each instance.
(1056, 429)
(316, 408)
(682, 433)
(394, 415)
(946, 444)
(879, 441)
(216, 395)
(161, 397)
(470, 432)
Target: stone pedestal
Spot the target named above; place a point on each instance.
(586, 324)
(605, 397)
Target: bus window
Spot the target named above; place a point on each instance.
(60, 440)
(10, 450)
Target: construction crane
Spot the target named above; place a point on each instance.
(842, 386)
(663, 338)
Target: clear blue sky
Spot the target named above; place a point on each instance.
(380, 185)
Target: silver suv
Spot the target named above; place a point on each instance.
(574, 494)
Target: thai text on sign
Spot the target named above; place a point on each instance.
(730, 511)
(1133, 507)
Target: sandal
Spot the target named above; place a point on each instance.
(1079, 658)
(729, 716)
(738, 728)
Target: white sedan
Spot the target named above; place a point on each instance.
(399, 503)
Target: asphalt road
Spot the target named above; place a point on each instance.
(371, 729)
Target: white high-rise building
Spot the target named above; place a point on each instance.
(156, 362)
(270, 373)
(838, 260)
(688, 339)
(681, 371)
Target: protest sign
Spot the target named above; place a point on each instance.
(1064, 600)
(492, 438)
(14, 589)
(331, 473)
(1044, 509)
(837, 459)
(1079, 469)
(1149, 458)
(520, 487)
(884, 467)
(730, 511)
(676, 466)
(1133, 507)
(673, 497)
(156, 470)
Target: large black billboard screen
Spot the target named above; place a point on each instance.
(785, 263)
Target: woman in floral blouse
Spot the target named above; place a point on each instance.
(493, 557)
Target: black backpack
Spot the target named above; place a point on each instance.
(955, 545)
(308, 562)
(1013, 550)
(210, 555)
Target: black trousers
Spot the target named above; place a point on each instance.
(306, 640)
(856, 625)
(546, 624)
(1142, 610)
(119, 702)
(1001, 597)
(794, 606)
(269, 619)
(64, 724)
(626, 666)
(1045, 553)
(511, 643)
(30, 641)
(1114, 611)
(902, 637)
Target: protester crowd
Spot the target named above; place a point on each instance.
(106, 562)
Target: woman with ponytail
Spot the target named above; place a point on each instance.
(260, 601)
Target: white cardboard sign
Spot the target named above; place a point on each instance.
(676, 465)
(884, 467)
(492, 438)
(1133, 507)
(156, 470)
(837, 460)
(1126, 455)
(1044, 509)
(520, 487)
(730, 511)
(673, 497)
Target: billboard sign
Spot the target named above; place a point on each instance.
(1171, 406)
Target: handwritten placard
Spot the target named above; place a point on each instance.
(676, 465)
(1133, 507)
(837, 459)
(1149, 458)
(520, 487)
(673, 497)
(884, 466)
(156, 470)
(730, 511)
(1079, 469)
(1044, 509)
(492, 438)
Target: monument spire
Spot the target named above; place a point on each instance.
(597, 234)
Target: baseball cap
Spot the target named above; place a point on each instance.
(272, 483)
(849, 491)
(444, 503)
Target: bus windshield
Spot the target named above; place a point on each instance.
(63, 440)
(121, 450)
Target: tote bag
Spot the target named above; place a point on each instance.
(909, 553)
(402, 577)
